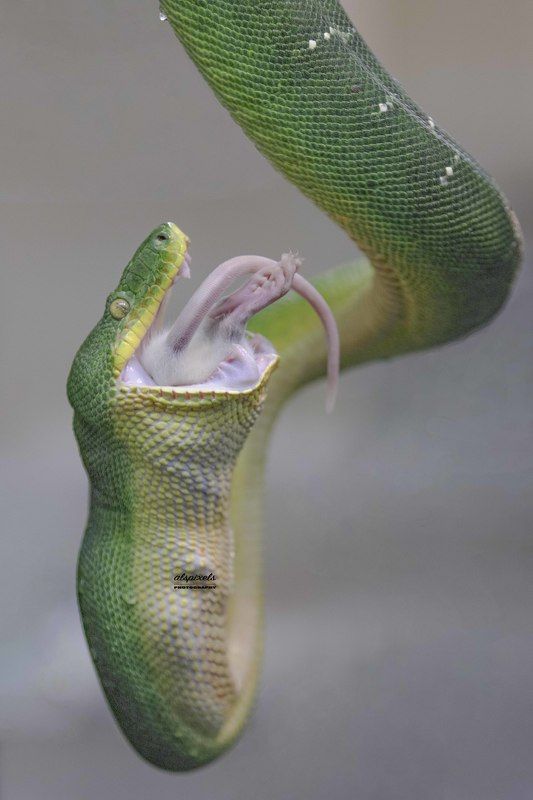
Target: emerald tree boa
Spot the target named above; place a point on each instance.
(173, 424)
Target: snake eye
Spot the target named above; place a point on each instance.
(119, 308)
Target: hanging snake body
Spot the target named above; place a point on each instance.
(176, 474)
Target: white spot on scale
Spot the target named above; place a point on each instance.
(383, 107)
(344, 36)
(443, 180)
(327, 35)
(449, 171)
(312, 44)
(162, 16)
(431, 123)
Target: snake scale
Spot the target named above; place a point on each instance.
(176, 471)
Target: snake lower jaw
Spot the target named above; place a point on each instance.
(246, 366)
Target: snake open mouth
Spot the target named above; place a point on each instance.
(214, 358)
(208, 348)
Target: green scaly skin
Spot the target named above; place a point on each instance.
(176, 477)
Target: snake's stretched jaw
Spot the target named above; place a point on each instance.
(217, 363)
(208, 347)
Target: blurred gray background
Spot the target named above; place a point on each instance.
(399, 639)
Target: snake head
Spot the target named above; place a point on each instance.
(108, 384)
(130, 364)
(140, 298)
(129, 312)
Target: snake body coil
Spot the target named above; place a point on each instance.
(176, 475)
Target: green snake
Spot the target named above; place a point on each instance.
(176, 466)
